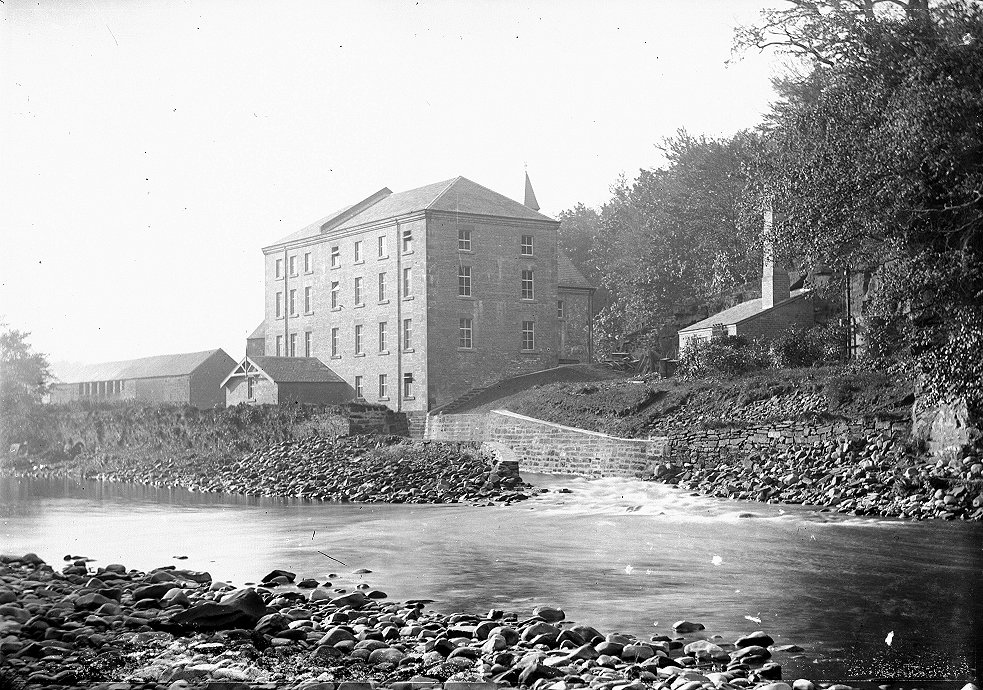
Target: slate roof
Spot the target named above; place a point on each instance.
(736, 314)
(296, 370)
(568, 275)
(258, 332)
(143, 368)
(456, 195)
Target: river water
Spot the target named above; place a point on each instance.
(621, 555)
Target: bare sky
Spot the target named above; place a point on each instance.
(150, 149)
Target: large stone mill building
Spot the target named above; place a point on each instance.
(416, 298)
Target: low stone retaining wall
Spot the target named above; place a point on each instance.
(549, 448)
(700, 444)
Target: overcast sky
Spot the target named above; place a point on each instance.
(150, 149)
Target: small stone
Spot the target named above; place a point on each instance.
(687, 627)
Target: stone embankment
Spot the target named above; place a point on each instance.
(875, 475)
(119, 629)
(362, 469)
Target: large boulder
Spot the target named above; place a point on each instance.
(946, 429)
(242, 608)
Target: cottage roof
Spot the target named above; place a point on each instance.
(295, 369)
(736, 314)
(568, 275)
(459, 195)
(144, 368)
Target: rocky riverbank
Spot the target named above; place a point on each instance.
(871, 476)
(363, 469)
(117, 629)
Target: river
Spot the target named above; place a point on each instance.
(621, 555)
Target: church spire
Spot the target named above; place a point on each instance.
(530, 195)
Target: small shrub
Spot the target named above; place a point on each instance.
(732, 355)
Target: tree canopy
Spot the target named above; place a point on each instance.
(24, 380)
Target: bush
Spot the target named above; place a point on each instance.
(729, 356)
(800, 347)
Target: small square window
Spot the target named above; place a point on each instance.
(464, 239)
(526, 246)
(464, 281)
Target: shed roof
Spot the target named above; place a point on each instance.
(569, 275)
(736, 314)
(459, 195)
(296, 369)
(181, 364)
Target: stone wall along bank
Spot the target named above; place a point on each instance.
(548, 448)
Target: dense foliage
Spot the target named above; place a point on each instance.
(875, 157)
(24, 380)
(670, 238)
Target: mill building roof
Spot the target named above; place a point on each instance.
(459, 195)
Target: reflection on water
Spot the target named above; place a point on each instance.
(620, 555)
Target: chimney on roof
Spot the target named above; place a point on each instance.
(530, 195)
(774, 279)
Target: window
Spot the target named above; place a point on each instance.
(293, 302)
(382, 336)
(293, 265)
(527, 284)
(335, 256)
(250, 383)
(293, 344)
(464, 239)
(383, 249)
(407, 281)
(464, 281)
(407, 333)
(383, 386)
(335, 295)
(279, 268)
(308, 266)
(308, 338)
(334, 343)
(279, 346)
(279, 304)
(359, 392)
(559, 309)
(407, 385)
(382, 287)
(525, 247)
(308, 300)
(464, 333)
(358, 339)
(407, 241)
(528, 335)
(358, 291)
(358, 251)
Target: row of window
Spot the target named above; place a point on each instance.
(101, 388)
(464, 244)
(526, 283)
(465, 338)
(382, 250)
(408, 392)
(359, 286)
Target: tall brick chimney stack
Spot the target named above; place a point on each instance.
(774, 279)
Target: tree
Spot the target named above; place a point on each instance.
(876, 159)
(24, 380)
